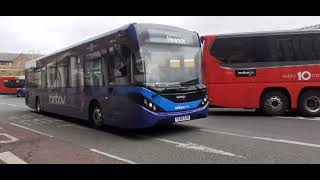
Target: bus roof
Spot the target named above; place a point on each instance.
(33, 63)
(268, 33)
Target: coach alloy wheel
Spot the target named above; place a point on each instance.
(312, 104)
(274, 103)
(309, 103)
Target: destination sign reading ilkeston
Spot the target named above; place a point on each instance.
(167, 37)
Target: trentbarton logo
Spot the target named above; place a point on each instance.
(246, 73)
(55, 99)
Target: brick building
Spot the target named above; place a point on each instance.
(12, 64)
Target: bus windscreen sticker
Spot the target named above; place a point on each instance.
(246, 73)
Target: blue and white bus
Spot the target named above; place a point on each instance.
(137, 76)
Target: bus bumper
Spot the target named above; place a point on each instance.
(149, 118)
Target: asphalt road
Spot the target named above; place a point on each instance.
(224, 137)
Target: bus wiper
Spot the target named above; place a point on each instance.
(160, 92)
(191, 82)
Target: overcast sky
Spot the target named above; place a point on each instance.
(22, 34)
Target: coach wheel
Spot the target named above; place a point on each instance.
(96, 116)
(38, 106)
(309, 103)
(274, 103)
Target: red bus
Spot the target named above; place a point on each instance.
(9, 84)
(274, 72)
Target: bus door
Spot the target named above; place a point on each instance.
(75, 91)
(119, 81)
(49, 98)
(94, 79)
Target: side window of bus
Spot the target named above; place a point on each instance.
(76, 78)
(234, 50)
(316, 45)
(51, 75)
(62, 73)
(286, 48)
(36, 78)
(44, 77)
(93, 75)
(138, 68)
(119, 65)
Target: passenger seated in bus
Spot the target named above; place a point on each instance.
(121, 73)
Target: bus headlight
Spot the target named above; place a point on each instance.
(151, 106)
(141, 100)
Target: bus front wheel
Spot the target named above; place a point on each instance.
(309, 103)
(96, 116)
(274, 103)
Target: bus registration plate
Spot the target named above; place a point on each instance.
(182, 118)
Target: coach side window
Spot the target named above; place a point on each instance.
(316, 45)
(234, 50)
(307, 50)
(286, 48)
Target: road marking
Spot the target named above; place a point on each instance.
(32, 130)
(264, 138)
(25, 122)
(197, 147)
(309, 119)
(14, 105)
(10, 158)
(41, 121)
(113, 156)
(232, 110)
(71, 125)
(11, 139)
(298, 117)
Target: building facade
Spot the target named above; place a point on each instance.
(12, 64)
